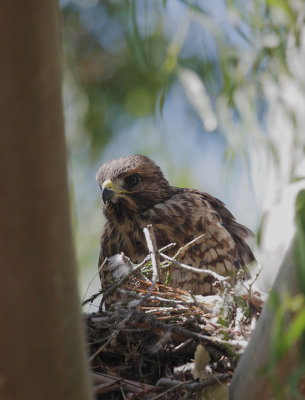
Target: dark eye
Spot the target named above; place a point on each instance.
(132, 180)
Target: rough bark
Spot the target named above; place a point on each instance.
(248, 383)
(42, 348)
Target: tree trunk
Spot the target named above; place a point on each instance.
(42, 349)
(249, 382)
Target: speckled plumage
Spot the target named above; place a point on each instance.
(178, 215)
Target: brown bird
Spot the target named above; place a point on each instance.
(136, 194)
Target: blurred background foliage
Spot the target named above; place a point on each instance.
(212, 91)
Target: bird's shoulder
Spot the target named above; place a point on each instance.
(188, 202)
(181, 217)
(208, 203)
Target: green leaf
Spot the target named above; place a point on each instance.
(202, 358)
(296, 329)
(300, 239)
(260, 229)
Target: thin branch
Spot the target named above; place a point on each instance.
(92, 298)
(195, 386)
(182, 249)
(103, 379)
(155, 261)
(251, 297)
(154, 254)
(167, 247)
(106, 387)
(182, 345)
(197, 270)
(171, 389)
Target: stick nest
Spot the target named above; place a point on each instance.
(166, 343)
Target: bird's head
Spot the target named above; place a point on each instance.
(131, 184)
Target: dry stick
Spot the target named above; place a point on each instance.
(106, 387)
(182, 345)
(101, 379)
(122, 391)
(249, 289)
(187, 304)
(155, 262)
(193, 269)
(187, 245)
(167, 247)
(171, 389)
(152, 248)
(91, 299)
(195, 385)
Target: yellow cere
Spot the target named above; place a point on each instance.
(108, 184)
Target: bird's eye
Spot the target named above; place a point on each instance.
(132, 180)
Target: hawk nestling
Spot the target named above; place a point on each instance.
(136, 194)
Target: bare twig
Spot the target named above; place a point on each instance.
(164, 382)
(182, 345)
(106, 387)
(155, 261)
(92, 298)
(182, 249)
(105, 379)
(154, 254)
(171, 389)
(258, 301)
(197, 270)
(167, 247)
(254, 279)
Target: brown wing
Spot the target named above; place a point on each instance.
(238, 232)
(189, 214)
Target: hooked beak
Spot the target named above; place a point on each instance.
(108, 191)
